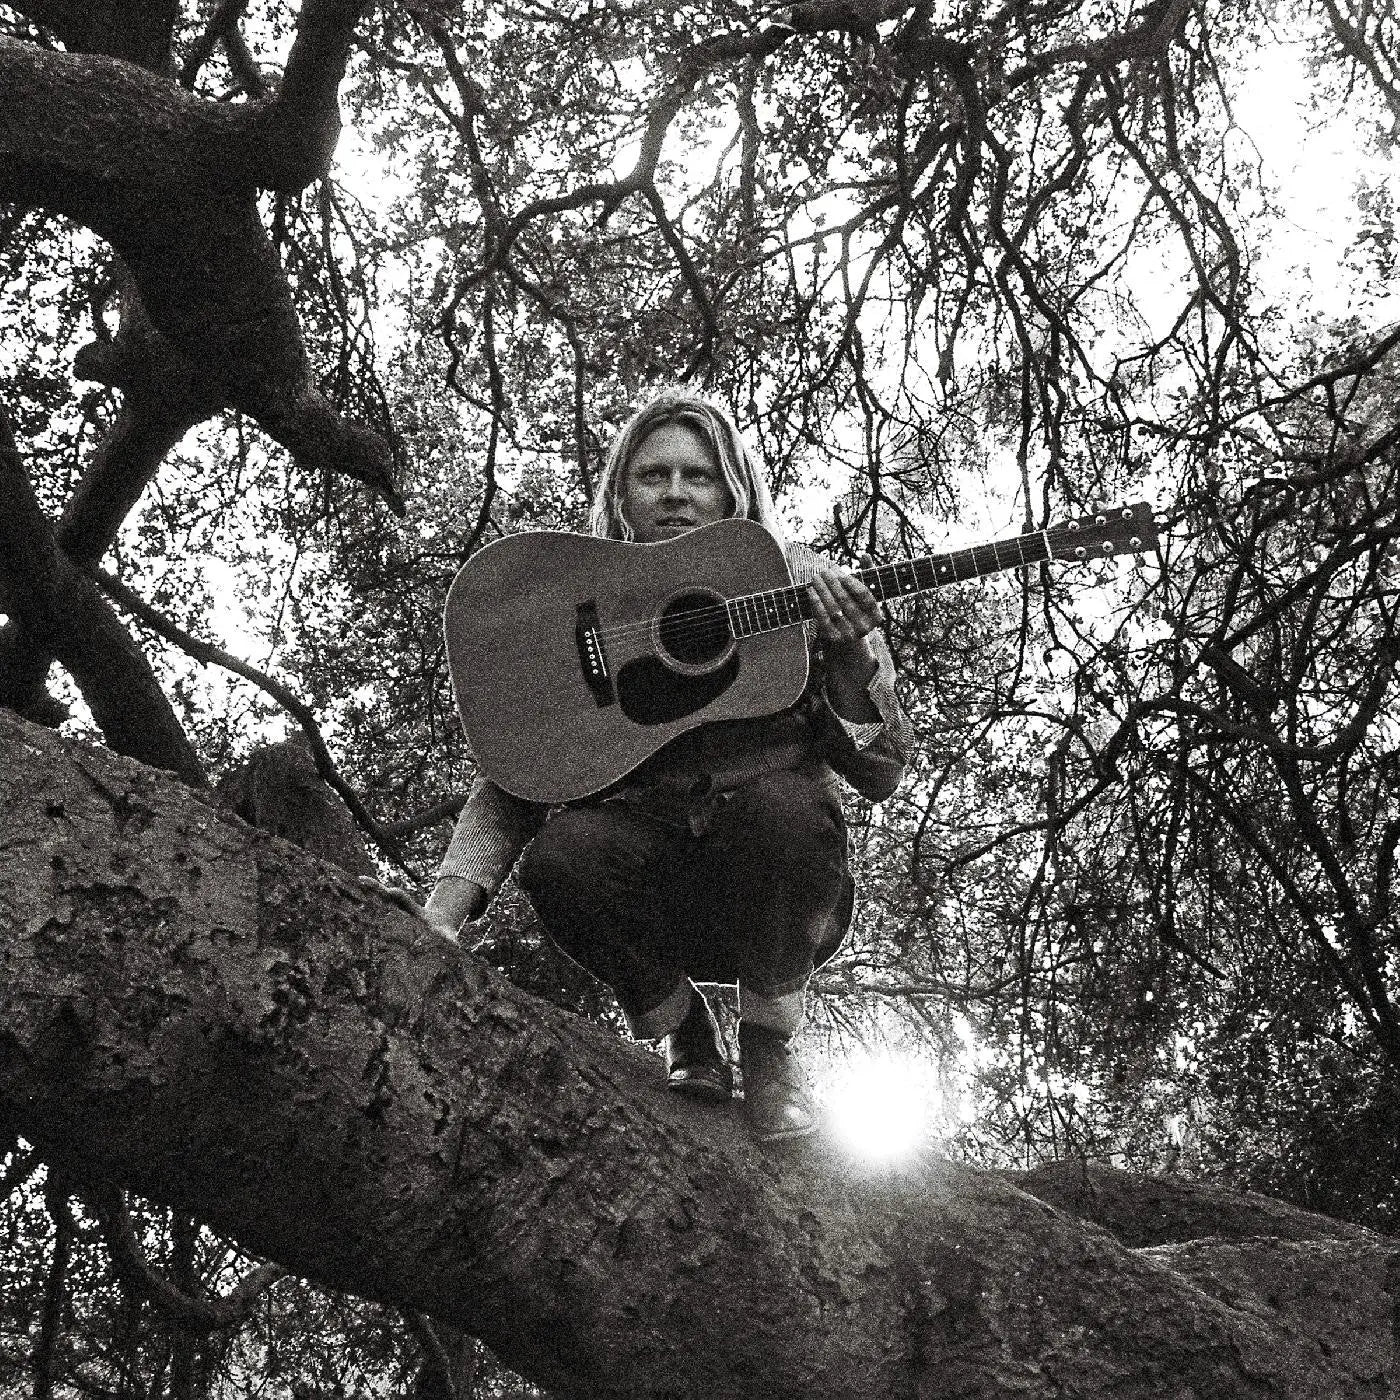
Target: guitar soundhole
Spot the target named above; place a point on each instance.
(692, 632)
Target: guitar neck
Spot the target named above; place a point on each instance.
(788, 607)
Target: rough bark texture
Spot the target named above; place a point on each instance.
(1156, 1210)
(171, 182)
(62, 615)
(279, 789)
(202, 1012)
(105, 135)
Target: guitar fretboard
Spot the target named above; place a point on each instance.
(787, 607)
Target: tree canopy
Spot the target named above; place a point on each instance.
(305, 303)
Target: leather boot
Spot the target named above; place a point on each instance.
(776, 1099)
(696, 1064)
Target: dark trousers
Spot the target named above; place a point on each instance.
(759, 897)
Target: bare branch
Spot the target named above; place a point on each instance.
(222, 23)
(194, 1314)
(55, 611)
(212, 655)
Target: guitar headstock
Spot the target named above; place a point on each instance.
(1103, 533)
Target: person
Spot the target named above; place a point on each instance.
(723, 858)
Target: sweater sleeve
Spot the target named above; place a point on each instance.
(492, 829)
(871, 757)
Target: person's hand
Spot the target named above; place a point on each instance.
(845, 610)
(450, 905)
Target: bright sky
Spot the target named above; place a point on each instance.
(1317, 160)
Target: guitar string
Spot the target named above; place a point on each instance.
(694, 621)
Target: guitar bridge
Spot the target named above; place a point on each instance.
(592, 657)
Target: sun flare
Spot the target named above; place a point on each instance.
(882, 1106)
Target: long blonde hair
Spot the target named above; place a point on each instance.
(742, 477)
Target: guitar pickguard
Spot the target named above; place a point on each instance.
(649, 692)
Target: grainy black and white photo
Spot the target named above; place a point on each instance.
(699, 702)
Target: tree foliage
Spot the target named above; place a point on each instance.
(306, 303)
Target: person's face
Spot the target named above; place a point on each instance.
(673, 484)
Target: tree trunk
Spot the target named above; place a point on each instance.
(208, 1015)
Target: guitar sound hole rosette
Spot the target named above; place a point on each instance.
(691, 633)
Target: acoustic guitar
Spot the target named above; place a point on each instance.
(574, 659)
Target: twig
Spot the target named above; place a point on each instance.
(212, 655)
(185, 1311)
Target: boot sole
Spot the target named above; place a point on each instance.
(709, 1087)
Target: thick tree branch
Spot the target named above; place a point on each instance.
(1142, 1211)
(203, 1013)
(298, 129)
(82, 128)
(171, 183)
(844, 16)
(138, 31)
(55, 611)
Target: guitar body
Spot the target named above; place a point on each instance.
(574, 659)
